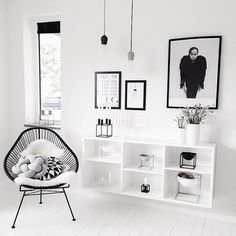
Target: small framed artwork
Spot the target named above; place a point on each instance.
(194, 71)
(108, 89)
(135, 94)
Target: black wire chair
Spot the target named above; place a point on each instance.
(25, 138)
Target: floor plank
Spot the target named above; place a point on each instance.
(101, 215)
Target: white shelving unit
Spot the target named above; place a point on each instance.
(126, 178)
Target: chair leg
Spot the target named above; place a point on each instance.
(13, 226)
(73, 218)
(40, 197)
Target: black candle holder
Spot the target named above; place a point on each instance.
(188, 160)
(104, 129)
(145, 188)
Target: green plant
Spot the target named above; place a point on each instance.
(196, 114)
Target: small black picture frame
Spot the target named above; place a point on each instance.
(194, 71)
(108, 89)
(135, 94)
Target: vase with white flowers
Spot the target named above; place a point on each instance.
(195, 116)
(181, 122)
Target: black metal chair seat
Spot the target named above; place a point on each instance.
(44, 187)
(27, 137)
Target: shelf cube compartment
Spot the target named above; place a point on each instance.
(98, 175)
(102, 149)
(202, 159)
(146, 156)
(132, 182)
(186, 193)
(191, 184)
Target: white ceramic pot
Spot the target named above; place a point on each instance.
(193, 134)
(181, 136)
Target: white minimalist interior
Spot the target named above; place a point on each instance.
(105, 193)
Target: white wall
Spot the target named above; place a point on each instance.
(155, 22)
(3, 87)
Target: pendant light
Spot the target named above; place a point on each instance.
(131, 53)
(104, 38)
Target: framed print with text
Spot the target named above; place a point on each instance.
(108, 89)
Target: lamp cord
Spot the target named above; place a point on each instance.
(131, 28)
(104, 23)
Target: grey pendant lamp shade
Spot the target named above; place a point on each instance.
(131, 53)
(104, 38)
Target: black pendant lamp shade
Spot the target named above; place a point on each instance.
(131, 53)
(104, 38)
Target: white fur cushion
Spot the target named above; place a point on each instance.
(43, 147)
(65, 177)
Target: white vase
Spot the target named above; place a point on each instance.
(181, 136)
(193, 134)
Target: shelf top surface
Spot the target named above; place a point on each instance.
(203, 169)
(151, 195)
(104, 160)
(204, 202)
(154, 171)
(153, 141)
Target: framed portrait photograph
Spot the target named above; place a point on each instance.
(108, 89)
(194, 71)
(135, 94)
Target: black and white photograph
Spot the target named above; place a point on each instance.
(193, 71)
(135, 94)
(108, 89)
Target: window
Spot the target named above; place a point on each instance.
(49, 42)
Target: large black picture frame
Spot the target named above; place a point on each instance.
(143, 94)
(210, 47)
(116, 76)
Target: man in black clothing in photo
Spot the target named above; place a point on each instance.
(192, 72)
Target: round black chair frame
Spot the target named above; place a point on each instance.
(12, 157)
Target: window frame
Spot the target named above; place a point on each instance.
(50, 27)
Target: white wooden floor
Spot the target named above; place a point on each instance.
(99, 215)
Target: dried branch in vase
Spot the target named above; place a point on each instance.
(196, 114)
(181, 121)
